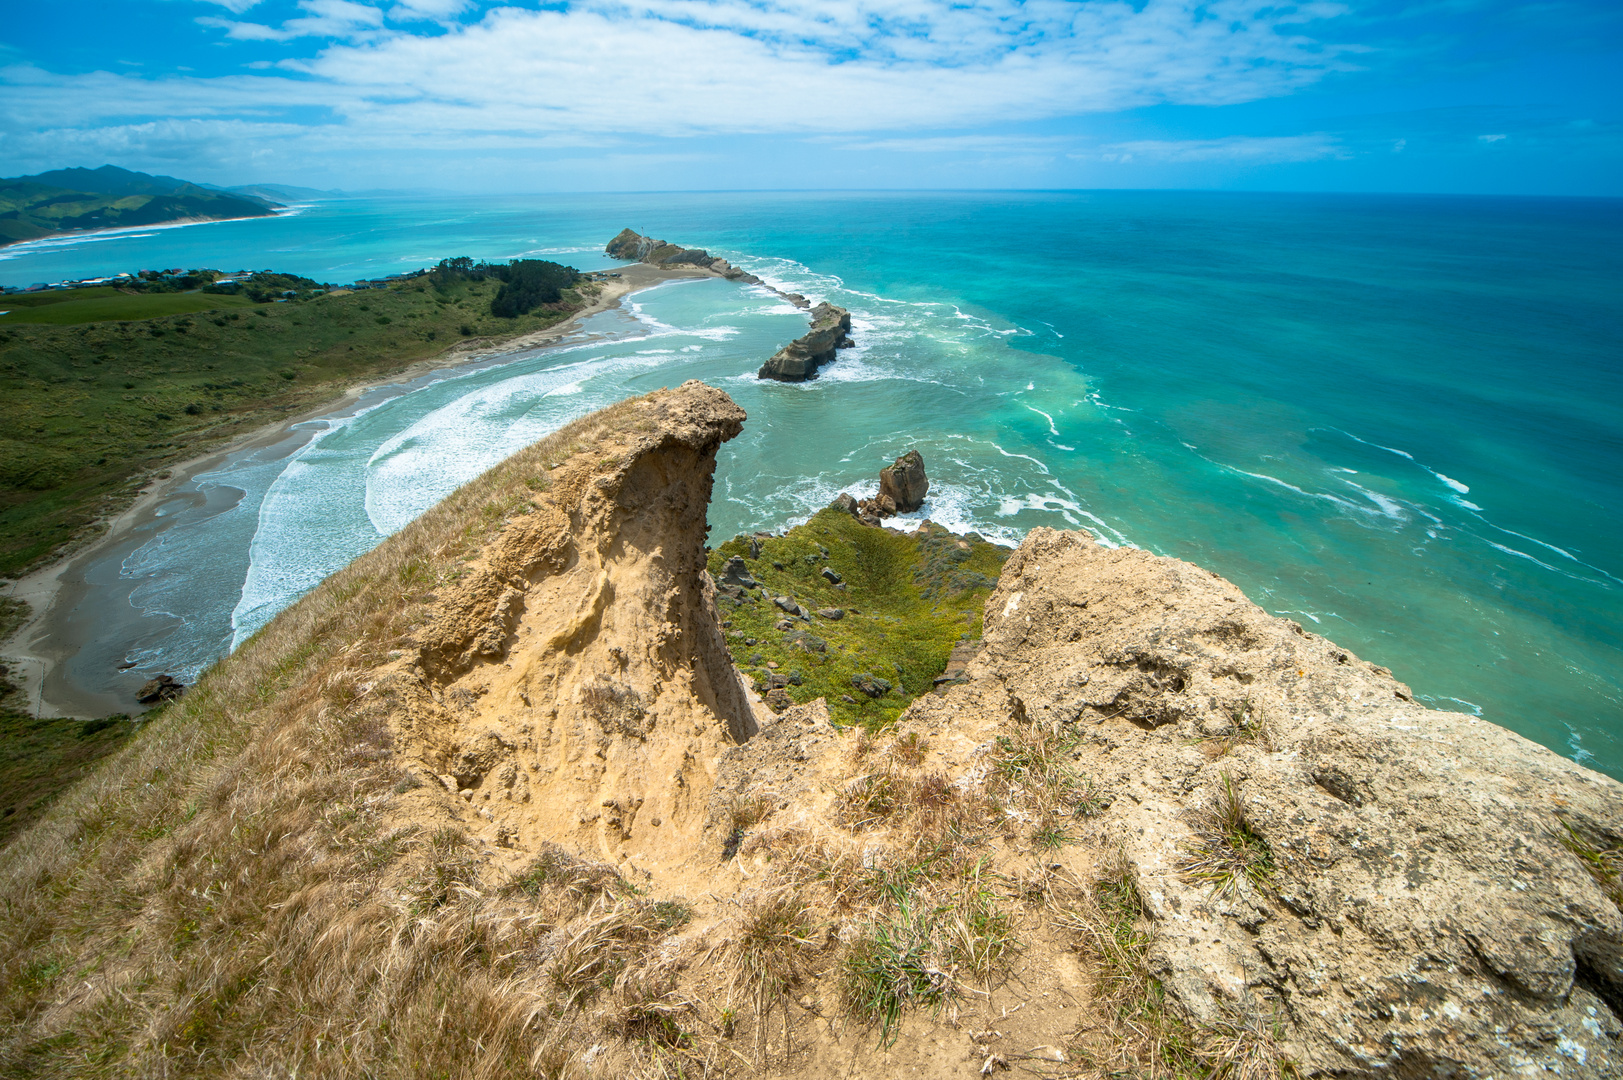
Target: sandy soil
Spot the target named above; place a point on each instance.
(58, 591)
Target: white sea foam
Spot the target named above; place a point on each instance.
(1052, 430)
(1451, 482)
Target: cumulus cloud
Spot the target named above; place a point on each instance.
(626, 68)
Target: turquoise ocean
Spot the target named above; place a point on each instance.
(1397, 420)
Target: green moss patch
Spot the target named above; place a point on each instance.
(905, 599)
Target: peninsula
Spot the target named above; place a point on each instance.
(796, 362)
(84, 200)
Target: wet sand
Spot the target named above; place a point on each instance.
(81, 619)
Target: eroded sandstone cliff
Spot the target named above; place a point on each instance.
(493, 802)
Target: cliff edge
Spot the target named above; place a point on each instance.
(493, 801)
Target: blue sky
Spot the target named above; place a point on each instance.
(1487, 96)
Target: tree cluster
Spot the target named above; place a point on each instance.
(526, 283)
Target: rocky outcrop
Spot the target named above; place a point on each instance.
(161, 689)
(635, 247)
(800, 359)
(795, 362)
(902, 488)
(574, 682)
(1411, 899)
(904, 482)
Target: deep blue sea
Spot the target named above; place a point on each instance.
(1397, 420)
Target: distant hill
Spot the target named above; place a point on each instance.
(283, 193)
(76, 200)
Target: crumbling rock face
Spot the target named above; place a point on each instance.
(573, 685)
(1421, 914)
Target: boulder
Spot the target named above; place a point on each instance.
(870, 684)
(904, 482)
(735, 572)
(845, 504)
(830, 575)
(800, 359)
(162, 688)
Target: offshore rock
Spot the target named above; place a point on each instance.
(162, 688)
(800, 359)
(1427, 910)
(905, 482)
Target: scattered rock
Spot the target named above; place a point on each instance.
(830, 576)
(163, 688)
(845, 504)
(778, 700)
(802, 639)
(833, 614)
(790, 607)
(871, 684)
(735, 572)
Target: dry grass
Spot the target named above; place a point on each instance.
(225, 895)
(1246, 726)
(1140, 1033)
(1035, 775)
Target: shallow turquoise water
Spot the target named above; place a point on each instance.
(1396, 420)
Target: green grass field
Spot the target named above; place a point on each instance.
(908, 598)
(107, 304)
(98, 388)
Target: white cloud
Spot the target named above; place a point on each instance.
(236, 7)
(622, 68)
(427, 9)
(1238, 148)
(964, 144)
(340, 19)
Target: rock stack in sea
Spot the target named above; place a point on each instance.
(902, 488)
(800, 359)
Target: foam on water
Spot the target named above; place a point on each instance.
(1124, 413)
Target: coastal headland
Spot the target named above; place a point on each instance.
(495, 800)
(68, 613)
(797, 361)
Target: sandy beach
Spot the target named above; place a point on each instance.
(69, 611)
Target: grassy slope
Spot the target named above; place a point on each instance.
(107, 304)
(908, 599)
(292, 763)
(29, 211)
(87, 409)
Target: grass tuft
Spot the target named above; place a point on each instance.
(1605, 865)
(1227, 850)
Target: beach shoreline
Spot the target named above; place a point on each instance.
(54, 593)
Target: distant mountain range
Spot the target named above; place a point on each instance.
(78, 200)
